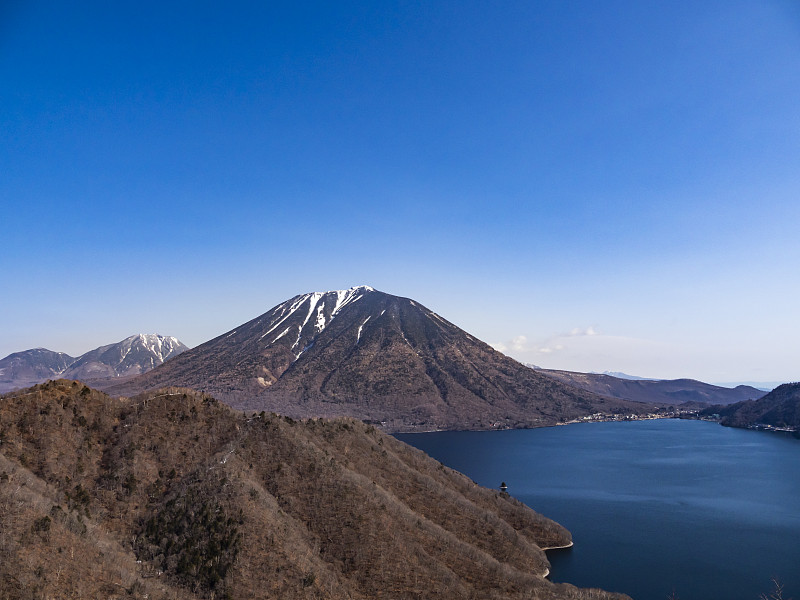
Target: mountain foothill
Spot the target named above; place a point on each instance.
(686, 393)
(780, 409)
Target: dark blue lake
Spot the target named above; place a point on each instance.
(709, 512)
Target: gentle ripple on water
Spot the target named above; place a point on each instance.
(709, 512)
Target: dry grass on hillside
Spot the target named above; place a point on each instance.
(174, 495)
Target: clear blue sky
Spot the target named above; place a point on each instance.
(588, 185)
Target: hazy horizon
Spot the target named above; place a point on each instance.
(588, 187)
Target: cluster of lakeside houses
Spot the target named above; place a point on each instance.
(671, 413)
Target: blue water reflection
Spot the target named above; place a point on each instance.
(654, 506)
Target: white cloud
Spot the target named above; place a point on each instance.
(560, 342)
(577, 332)
(586, 349)
(556, 343)
(519, 343)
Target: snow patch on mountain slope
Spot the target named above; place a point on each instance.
(345, 297)
(316, 302)
(312, 304)
(299, 335)
(360, 327)
(281, 318)
(320, 325)
(285, 331)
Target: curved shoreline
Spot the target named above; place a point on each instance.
(570, 545)
(547, 571)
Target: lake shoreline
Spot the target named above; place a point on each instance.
(632, 494)
(547, 571)
(570, 545)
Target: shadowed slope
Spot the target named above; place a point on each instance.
(779, 408)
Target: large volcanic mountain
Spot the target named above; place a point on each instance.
(374, 356)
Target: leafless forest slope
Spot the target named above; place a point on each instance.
(175, 495)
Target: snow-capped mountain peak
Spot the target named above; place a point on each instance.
(134, 355)
(161, 347)
(371, 355)
(319, 308)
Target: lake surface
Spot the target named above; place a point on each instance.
(654, 507)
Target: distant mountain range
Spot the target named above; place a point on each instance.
(675, 392)
(620, 375)
(132, 356)
(367, 354)
(778, 409)
(28, 367)
(764, 386)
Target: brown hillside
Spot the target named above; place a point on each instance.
(174, 495)
(779, 408)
